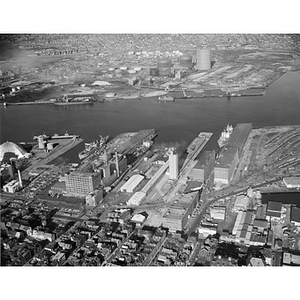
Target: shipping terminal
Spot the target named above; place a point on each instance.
(125, 186)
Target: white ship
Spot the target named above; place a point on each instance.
(225, 135)
(91, 147)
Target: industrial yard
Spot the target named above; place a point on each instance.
(243, 65)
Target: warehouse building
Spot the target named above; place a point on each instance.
(204, 166)
(241, 203)
(274, 210)
(295, 216)
(292, 182)
(136, 198)
(226, 164)
(132, 184)
(230, 155)
(218, 212)
(177, 215)
(239, 136)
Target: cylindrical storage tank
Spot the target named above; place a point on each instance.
(154, 72)
(50, 146)
(111, 69)
(123, 68)
(203, 59)
(164, 71)
(186, 61)
(164, 63)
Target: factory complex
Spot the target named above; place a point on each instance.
(128, 203)
(191, 66)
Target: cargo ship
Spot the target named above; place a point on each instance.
(56, 136)
(225, 136)
(72, 101)
(91, 147)
(166, 98)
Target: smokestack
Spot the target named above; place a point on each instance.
(20, 178)
(117, 164)
(105, 155)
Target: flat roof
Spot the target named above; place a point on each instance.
(82, 174)
(204, 159)
(295, 181)
(239, 135)
(226, 157)
(274, 206)
(295, 214)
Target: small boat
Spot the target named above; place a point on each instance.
(166, 98)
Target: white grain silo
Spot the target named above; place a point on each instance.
(203, 59)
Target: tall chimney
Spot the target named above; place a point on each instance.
(117, 164)
(20, 178)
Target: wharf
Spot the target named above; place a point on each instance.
(58, 151)
(196, 146)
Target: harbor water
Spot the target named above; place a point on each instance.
(177, 123)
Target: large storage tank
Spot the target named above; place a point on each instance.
(203, 59)
(154, 72)
(164, 63)
(164, 71)
(186, 61)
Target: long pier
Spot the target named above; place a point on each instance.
(195, 147)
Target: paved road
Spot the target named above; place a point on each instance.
(226, 193)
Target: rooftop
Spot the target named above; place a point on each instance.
(274, 206)
(239, 135)
(295, 214)
(226, 157)
(204, 159)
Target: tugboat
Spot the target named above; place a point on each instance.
(225, 136)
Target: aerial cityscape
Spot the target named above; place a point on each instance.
(150, 150)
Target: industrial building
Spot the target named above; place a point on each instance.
(135, 141)
(204, 166)
(295, 216)
(274, 210)
(177, 215)
(226, 164)
(292, 182)
(136, 198)
(231, 153)
(203, 59)
(239, 136)
(132, 184)
(80, 184)
(241, 203)
(94, 198)
(173, 163)
(12, 187)
(218, 212)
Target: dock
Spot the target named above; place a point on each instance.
(196, 146)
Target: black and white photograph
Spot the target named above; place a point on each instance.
(149, 148)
